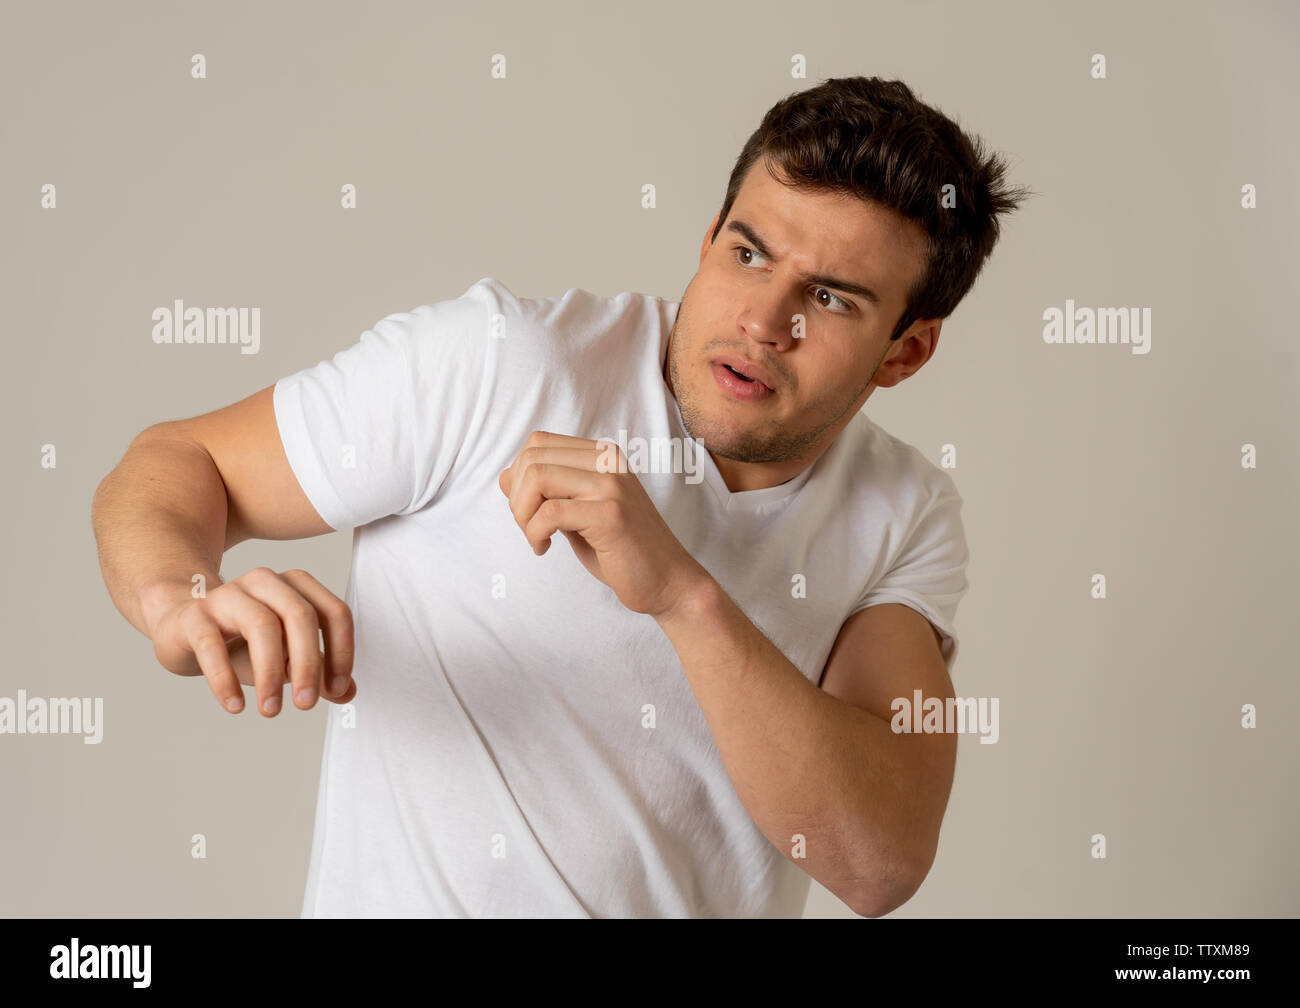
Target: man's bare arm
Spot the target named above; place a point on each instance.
(866, 801)
(159, 518)
(184, 493)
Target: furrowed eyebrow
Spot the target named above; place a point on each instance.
(848, 286)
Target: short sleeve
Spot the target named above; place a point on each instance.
(371, 432)
(930, 572)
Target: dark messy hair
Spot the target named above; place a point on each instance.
(874, 139)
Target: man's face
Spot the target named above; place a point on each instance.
(741, 307)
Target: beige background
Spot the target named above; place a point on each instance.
(1118, 716)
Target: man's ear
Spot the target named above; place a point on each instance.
(708, 237)
(909, 354)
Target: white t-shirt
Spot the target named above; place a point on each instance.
(521, 744)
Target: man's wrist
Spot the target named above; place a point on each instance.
(695, 601)
(161, 597)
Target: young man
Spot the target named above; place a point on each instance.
(684, 710)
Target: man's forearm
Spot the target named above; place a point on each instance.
(159, 518)
(803, 763)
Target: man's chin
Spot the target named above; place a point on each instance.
(725, 438)
(737, 446)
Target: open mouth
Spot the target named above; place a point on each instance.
(740, 386)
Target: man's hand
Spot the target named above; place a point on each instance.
(243, 631)
(584, 489)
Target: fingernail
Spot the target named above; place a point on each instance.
(234, 704)
(340, 684)
(306, 696)
(271, 705)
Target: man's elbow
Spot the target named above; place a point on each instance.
(878, 901)
(886, 893)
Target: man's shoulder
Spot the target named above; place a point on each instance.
(879, 460)
(576, 301)
(577, 324)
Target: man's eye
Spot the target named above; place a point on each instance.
(742, 251)
(833, 298)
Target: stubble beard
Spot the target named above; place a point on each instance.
(744, 445)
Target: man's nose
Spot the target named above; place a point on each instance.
(771, 317)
